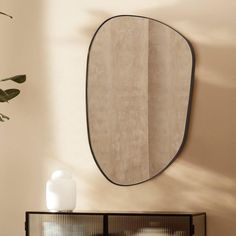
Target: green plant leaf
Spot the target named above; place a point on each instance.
(6, 95)
(12, 93)
(3, 96)
(18, 79)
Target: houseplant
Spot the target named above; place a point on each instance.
(8, 94)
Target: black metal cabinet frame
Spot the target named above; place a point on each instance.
(107, 222)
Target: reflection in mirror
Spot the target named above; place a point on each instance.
(139, 76)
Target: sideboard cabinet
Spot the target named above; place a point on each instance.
(115, 224)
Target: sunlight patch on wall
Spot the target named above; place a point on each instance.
(204, 187)
(222, 35)
(67, 58)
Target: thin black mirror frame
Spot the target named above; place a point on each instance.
(187, 121)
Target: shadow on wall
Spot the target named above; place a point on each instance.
(203, 177)
(97, 17)
(199, 21)
(196, 20)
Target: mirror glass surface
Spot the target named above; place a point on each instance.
(139, 75)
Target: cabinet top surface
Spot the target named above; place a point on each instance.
(119, 213)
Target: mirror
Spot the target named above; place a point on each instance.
(139, 80)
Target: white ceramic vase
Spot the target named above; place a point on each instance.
(61, 192)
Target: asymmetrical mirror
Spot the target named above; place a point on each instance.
(139, 79)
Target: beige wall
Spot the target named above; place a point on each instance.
(48, 40)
